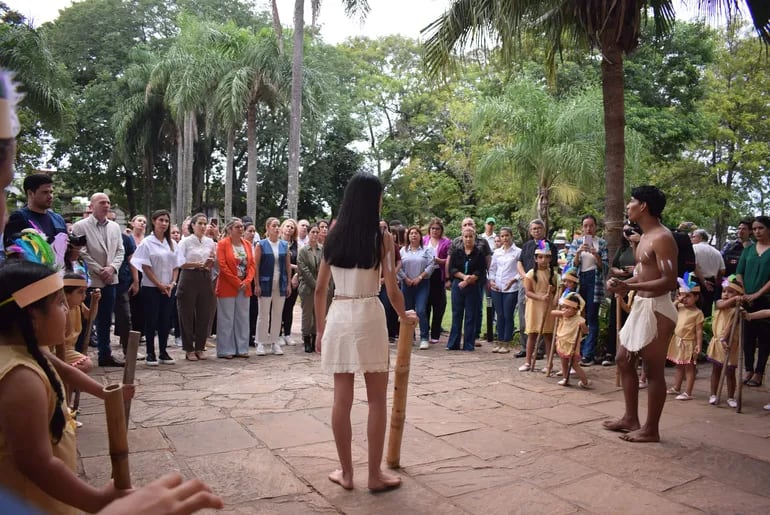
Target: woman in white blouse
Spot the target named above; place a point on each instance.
(503, 276)
(195, 298)
(156, 259)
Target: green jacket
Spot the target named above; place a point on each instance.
(308, 263)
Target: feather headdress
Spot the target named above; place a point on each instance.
(574, 300)
(688, 283)
(543, 248)
(32, 246)
(571, 274)
(733, 283)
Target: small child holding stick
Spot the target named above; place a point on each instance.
(686, 342)
(540, 286)
(75, 292)
(572, 327)
(725, 338)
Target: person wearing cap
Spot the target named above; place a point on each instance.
(709, 268)
(489, 231)
(37, 213)
(589, 254)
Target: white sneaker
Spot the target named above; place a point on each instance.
(766, 407)
(562, 382)
(277, 349)
(713, 399)
(178, 341)
(260, 350)
(684, 396)
(734, 404)
(496, 349)
(288, 340)
(524, 368)
(424, 345)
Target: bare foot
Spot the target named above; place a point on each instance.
(338, 477)
(641, 436)
(621, 425)
(384, 482)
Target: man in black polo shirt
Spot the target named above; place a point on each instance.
(732, 251)
(37, 213)
(527, 263)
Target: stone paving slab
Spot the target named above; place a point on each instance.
(480, 438)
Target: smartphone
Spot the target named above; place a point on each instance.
(215, 222)
(588, 240)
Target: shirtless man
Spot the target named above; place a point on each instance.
(651, 322)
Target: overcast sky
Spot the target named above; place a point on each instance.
(404, 17)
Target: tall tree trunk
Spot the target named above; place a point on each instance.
(615, 146)
(295, 117)
(251, 163)
(229, 173)
(189, 139)
(277, 26)
(180, 171)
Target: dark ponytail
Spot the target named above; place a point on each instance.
(14, 276)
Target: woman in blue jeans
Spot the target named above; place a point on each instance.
(466, 266)
(417, 263)
(504, 286)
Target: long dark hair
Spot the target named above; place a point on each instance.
(355, 241)
(167, 234)
(15, 275)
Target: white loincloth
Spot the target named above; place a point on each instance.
(641, 327)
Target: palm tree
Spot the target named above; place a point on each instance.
(295, 116)
(549, 146)
(612, 27)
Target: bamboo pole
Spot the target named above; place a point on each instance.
(729, 349)
(118, 435)
(741, 336)
(130, 367)
(549, 360)
(400, 386)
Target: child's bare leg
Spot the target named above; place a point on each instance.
(548, 339)
(730, 382)
(678, 377)
(579, 371)
(531, 340)
(716, 371)
(689, 371)
(564, 366)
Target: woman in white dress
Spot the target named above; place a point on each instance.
(353, 337)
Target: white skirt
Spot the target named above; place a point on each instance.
(355, 337)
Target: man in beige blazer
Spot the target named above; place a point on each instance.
(103, 254)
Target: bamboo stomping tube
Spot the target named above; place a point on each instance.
(400, 386)
(130, 367)
(118, 435)
(729, 349)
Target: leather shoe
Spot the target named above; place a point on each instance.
(520, 354)
(111, 362)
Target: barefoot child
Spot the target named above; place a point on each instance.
(75, 293)
(572, 327)
(540, 286)
(37, 450)
(685, 344)
(732, 292)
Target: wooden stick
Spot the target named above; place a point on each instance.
(130, 367)
(741, 336)
(118, 435)
(726, 362)
(571, 357)
(86, 337)
(618, 318)
(400, 386)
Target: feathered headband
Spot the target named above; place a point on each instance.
(733, 282)
(9, 97)
(573, 300)
(31, 246)
(571, 273)
(688, 283)
(543, 248)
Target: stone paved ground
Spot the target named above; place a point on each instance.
(480, 438)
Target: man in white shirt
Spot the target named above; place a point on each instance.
(302, 237)
(103, 254)
(709, 268)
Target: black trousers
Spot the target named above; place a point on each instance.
(436, 304)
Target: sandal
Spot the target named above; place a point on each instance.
(684, 396)
(754, 382)
(524, 368)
